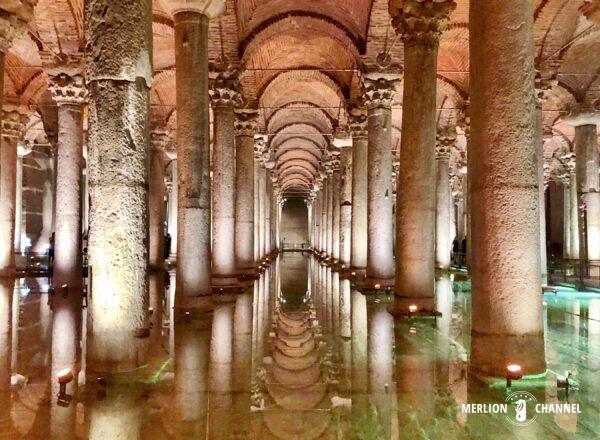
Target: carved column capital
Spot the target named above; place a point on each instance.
(379, 89)
(357, 121)
(420, 22)
(159, 139)
(445, 143)
(13, 123)
(225, 89)
(68, 89)
(246, 122)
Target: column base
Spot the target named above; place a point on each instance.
(491, 353)
(379, 284)
(193, 305)
(224, 282)
(405, 306)
(196, 318)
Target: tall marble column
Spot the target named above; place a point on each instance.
(11, 133)
(444, 231)
(225, 96)
(267, 210)
(329, 212)
(156, 200)
(172, 208)
(506, 302)
(379, 94)
(571, 217)
(119, 76)
(588, 189)
(324, 222)
(193, 151)
(420, 25)
(358, 125)
(346, 207)
(262, 188)
(335, 215)
(245, 127)
(69, 94)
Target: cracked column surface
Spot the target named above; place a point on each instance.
(119, 75)
(358, 236)
(506, 302)
(225, 96)
(420, 25)
(69, 94)
(194, 288)
(245, 127)
(379, 94)
(156, 200)
(12, 127)
(588, 188)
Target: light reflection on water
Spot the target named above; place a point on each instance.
(301, 355)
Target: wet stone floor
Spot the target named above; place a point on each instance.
(301, 355)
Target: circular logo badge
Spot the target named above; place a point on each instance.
(521, 408)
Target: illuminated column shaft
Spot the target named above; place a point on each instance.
(360, 345)
(119, 75)
(245, 126)
(156, 201)
(335, 217)
(539, 142)
(588, 188)
(420, 27)
(346, 207)
(324, 221)
(571, 218)
(380, 250)
(506, 304)
(69, 94)
(242, 361)
(256, 215)
(225, 96)
(444, 208)
(329, 217)
(193, 147)
(358, 125)
(172, 222)
(319, 220)
(262, 185)
(267, 210)
(6, 297)
(11, 132)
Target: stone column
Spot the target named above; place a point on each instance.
(571, 217)
(444, 233)
(69, 94)
(172, 208)
(225, 96)
(156, 199)
(379, 94)
(11, 133)
(506, 302)
(588, 189)
(262, 184)
(420, 25)
(193, 151)
(346, 207)
(267, 211)
(329, 213)
(119, 75)
(335, 216)
(360, 344)
(324, 204)
(358, 125)
(245, 126)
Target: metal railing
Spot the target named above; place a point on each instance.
(298, 247)
(581, 273)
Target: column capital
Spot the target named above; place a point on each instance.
(211, 8)
(13, 122)
(68, 89)
(246, 122)
(260, 145)
(224, 87)
(357, 121)
(380, 89)
(580, 114)
(420, 22)
(14, 17)
(445, 143)
(546, 78)
(159, 139)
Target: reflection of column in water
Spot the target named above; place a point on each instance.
(381, 342)
(335, 299)
(116, 416)
(191, 359)
(328, 300)
(588, 377)
(255, 303)
(156, 283)
(266, 299)
(6, 296)
(345, 332)
(414, 375)
(260, 328)
(443, 299)
(359, 353)
(171, 306)
(220, 365)
(242, 364)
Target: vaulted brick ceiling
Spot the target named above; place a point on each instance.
(300, 61)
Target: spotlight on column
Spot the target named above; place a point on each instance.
(377, 286)
(513, 372)
(412, 330)
(64, 290)
(64, 377)
(413, 308)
